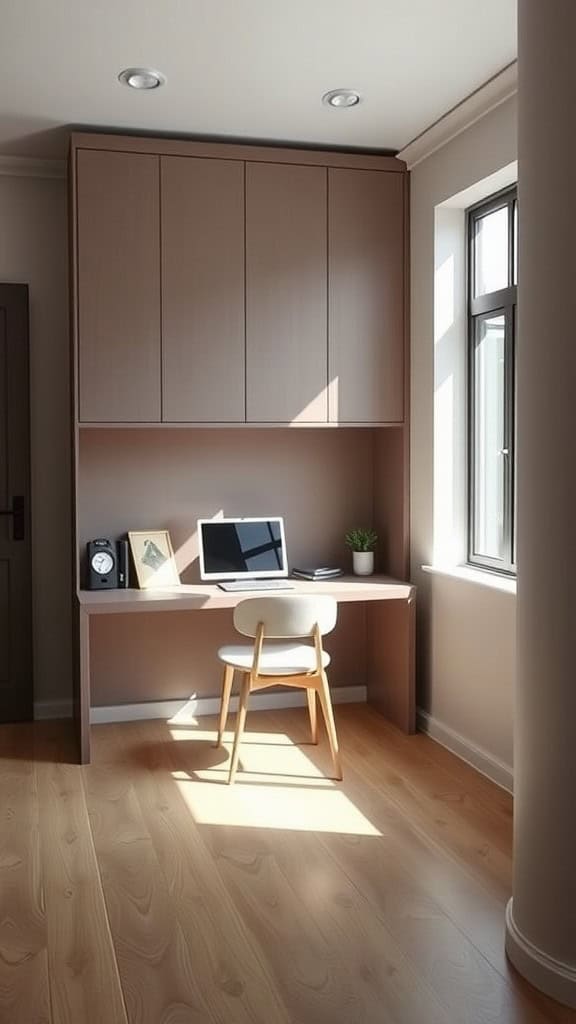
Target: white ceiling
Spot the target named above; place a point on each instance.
(244, 68)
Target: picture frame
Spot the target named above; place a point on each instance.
(153, 559)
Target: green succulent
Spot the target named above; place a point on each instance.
(361, 540)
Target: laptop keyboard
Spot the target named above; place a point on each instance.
(235, 585)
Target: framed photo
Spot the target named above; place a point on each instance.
(153, 559)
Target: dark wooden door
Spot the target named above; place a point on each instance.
(15, 551)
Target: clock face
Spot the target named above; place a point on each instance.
(102, 562)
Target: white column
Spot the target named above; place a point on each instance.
(541, 918)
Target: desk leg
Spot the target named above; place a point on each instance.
(82, 696)
(391, 639)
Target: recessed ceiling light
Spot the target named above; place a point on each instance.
(142, 78)
(341, 98)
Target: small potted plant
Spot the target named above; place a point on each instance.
(362, 543)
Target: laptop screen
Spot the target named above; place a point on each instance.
(236, 548)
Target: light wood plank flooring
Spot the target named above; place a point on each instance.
(144, 890)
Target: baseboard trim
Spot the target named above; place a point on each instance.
(551, 976)
(480, 759)
(195, 707)
(183, 711)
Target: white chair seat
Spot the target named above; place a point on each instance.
(288, 631)
(282, 659)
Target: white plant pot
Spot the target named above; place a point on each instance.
(363, 562)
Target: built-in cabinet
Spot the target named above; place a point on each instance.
(286, 294)
(118, 289)
(366, 289)
(216, 288)
(202, 265)
(250, 289)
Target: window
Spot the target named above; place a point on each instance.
(492, 288)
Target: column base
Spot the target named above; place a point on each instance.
(551, 976)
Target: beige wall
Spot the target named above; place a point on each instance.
(33, 251)
(466, 638)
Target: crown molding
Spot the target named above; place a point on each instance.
(489, 96)
(28, 167)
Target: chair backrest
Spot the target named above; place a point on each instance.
(286, 616)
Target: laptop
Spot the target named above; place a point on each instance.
(244, 554)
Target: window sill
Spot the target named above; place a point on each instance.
(473, 575)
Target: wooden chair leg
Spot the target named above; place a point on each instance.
(312, 710)
(244, 693)
(326, 704)
(225, 701)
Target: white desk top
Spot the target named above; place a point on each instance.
(202, 596)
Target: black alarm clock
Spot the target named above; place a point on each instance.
(107, 564)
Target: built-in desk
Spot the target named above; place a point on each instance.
(390, 635)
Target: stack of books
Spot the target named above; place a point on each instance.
(320, 572)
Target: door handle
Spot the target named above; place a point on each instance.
(17, 513)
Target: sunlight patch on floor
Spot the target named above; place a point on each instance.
(278, 786)
(274, 739)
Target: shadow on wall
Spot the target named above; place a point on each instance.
(34, 137)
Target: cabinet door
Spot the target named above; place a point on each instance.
(118, 286)
(286, 270)
(203, 327)
(366, 296)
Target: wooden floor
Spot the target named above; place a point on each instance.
(143, 889)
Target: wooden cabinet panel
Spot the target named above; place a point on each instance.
(203, 326)
(210, 290)
(366, 296)
(118, 223)
(286, 293)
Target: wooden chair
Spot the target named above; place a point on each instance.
(283, 619)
